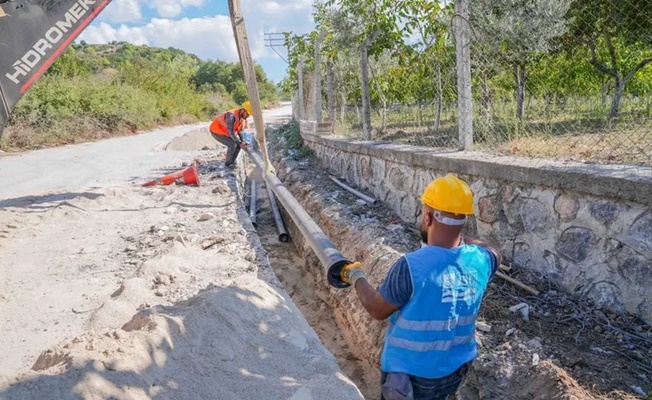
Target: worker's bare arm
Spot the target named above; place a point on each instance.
(372, 301)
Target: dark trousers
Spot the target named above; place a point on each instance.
(232, 148)
(435, 389)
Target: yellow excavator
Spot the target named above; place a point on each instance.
(33, 33)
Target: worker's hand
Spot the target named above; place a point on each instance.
(352, 272)
(244, 145)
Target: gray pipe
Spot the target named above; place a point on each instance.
(253, 202)
(331, 259)
(280, 226)
(363, 196)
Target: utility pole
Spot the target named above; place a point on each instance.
(242, 43)
(275, 40)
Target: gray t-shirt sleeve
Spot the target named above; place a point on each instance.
(397, 287)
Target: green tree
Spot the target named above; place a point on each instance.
(618, 36)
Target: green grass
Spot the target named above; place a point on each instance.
(292, 144)
(575, 130)
(61, 110)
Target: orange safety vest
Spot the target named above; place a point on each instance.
(219, 125)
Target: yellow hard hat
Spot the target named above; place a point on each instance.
(449, 194)
(247, 106)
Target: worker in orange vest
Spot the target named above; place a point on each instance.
(227, 129)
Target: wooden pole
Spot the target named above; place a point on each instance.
(241, 41)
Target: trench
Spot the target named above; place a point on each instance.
(567, 349)
(307, 292)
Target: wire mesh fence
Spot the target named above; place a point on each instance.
(563, 79)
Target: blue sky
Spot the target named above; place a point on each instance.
(202, 27)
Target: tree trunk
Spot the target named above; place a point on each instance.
(329, 94)
(366, 97)
(619, 89)
(520, 78)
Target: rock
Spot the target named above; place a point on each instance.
(535, 216)
(12, 226)
(566, 207)
(488, 209)
(206, 217)
(638, 390)
(605, 212)
(180, 239)
(170, 210)
(641, 231)
(162, 279)
(130, 248)
(159, 293)
(535, 359)
(523, 309)
(394, 227)
(483, 326)
(575, 243)
(510, 331)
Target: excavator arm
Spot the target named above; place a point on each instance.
(33, 34)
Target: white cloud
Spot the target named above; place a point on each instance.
(209, 37)
(121, 11)
(172, 8)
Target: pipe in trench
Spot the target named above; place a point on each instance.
(331, 259)
(280, 226)
(369, 200)
(253, 202)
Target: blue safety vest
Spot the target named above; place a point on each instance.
(433, 335)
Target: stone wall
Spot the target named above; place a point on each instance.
(588, 227)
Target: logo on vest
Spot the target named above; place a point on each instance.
(462, 288)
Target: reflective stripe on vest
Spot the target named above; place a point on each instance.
(435, 345)
(219, 124)
(433, 335)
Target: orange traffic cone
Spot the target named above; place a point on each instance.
(188, 176)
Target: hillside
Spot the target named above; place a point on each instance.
(98, 91)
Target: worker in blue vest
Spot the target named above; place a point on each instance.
(432, 297)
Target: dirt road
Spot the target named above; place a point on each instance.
(110, 290)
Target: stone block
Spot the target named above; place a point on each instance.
(641, 232)
(604, 211)
(576, 243)
(488, 208)
(535, 216)
(566, 207)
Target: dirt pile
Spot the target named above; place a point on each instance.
(139, 293)
(198, 139)
(566, 349)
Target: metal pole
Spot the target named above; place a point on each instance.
(253, 202)
(280, 226)
(331, 259)
(361, 195)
